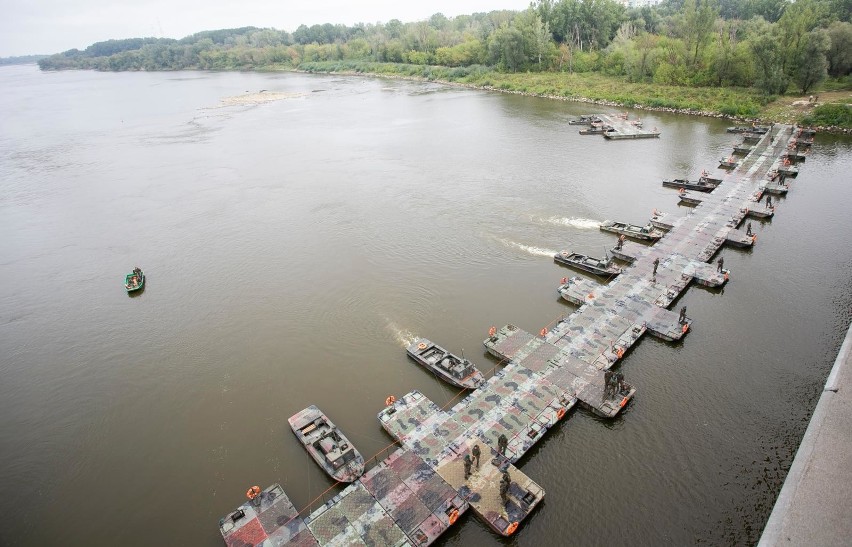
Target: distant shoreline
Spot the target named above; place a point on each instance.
(614, 104)
(790, 115)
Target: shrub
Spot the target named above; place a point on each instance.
(839, 115)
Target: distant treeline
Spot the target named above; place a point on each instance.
(21, 60)
(770, 45)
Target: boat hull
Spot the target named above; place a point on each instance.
(577, 261)
(617, 253)
(635, 232)
(441, 362)
(759, 129)
(688, 185)
(775, 189)
(327, 445)
(130, 286)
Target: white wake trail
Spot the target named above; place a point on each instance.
(575, 222)
(530, 249)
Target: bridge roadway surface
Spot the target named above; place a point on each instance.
(421, 489)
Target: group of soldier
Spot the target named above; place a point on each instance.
(472, 459)
(613, 383)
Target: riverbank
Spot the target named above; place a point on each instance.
(736, 104)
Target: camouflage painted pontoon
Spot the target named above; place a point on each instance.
(450, 368)
(794, 156)
(705, 178)
(788, 170)
(589, 264)
(699, 185)
(775, 188)
(728, 163)
(760, 129)
(585, 119)
(595, 128)
(327, 445)
(663, 221)
(689, 199)
(267, 519)
(646, 233)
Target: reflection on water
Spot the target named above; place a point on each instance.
(294, 248)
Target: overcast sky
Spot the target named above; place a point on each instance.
(50, 26)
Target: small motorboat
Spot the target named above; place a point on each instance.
(450, 368)
(645, 233)
(585, 119)
(134, 281)
(699, 185)
(589, 264)
(327, 445)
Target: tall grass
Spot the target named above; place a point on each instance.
(740, 102)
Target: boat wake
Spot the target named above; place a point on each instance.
(530, 249)
(574, 222)
(403, 336)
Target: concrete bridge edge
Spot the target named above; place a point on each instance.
(815, 503)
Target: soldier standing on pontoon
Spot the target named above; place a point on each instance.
(607, 383)
(505, 481)
(502, 444)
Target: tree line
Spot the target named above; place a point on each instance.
(770, 45)
(21, 59)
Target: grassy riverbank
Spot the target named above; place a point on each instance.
(735, 103)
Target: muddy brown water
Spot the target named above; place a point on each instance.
(294, 247)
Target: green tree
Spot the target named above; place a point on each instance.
(839, 53)
(698, 19)
(812, 64)
(506, 48)
(770, 10)
(799, 18)
(768, 64)
(646, 45)
(725, 58)
(538, 42)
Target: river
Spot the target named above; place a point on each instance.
(292, 250)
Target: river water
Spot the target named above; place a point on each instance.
(293, 248)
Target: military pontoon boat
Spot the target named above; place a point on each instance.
(134, 281)
(645, 233)
(699, 185)
(589, 264)
(327, 445)
(585, 119)
(761, 129)
(450, 368)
